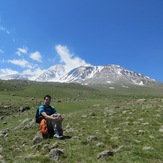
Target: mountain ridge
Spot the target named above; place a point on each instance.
(89, 74)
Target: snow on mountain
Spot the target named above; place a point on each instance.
(80, 74)
(53, 73)
(105, 75)
(88, 74)
(15, 76)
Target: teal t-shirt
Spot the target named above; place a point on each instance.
(48, 109)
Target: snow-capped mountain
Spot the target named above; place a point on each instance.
(88, 74)
(53, 73)
(15, 76)
(105, 74)
(80, 74)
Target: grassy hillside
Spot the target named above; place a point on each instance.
(101, 124)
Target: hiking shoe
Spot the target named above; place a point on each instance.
(58, 134)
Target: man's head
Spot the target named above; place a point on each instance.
(47, 99)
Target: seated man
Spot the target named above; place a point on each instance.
(53, 119)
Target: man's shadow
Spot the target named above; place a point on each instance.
(66, 137)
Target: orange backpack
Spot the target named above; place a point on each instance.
(43, 127)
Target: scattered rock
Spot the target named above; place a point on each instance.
(105, 154)
(92, 114)
(117, 128)
(114, 138)
(91, 138)
(26, 124)
(109, 152)
(37, 139)
(140, 132)
(48, 146)
(1, 149)
(22, 109)
(4, 133)
(32, 98)
(141, 101)
(84, 116)
(1, 117)
(145, 123)
(1, 159)
(147, 148)
(137, 141)
(152, 137)
(161, 129)
(55, 154)
(100, 144)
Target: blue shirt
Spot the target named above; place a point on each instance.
(48, 109)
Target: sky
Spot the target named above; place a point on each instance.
(38, 34)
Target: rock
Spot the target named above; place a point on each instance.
(22, 109)
(1, 117)
(37, 139)
(114, 138)
(48, 146)
(91, 138)
(118, 149)
(56, 144)
(1, 149)
(55, 154)
(1, 159)
(147, 148)
(92, 114)
(151, 136)
(84, 116)
(140, 132)
(141, 101)
(3, 133)
(100, 144)
(32, 98)
(161, 129)
(26, 124)
(105, 154)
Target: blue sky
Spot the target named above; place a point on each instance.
(37, 34)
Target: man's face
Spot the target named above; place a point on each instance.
(47, 101)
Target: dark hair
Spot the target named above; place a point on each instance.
(47, 96)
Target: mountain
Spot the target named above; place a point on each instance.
(53, 73)
(105, 75)
(15, 76)
(89, 74)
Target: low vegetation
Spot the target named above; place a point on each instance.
(101, 124)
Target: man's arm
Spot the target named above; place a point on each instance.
(49, 117)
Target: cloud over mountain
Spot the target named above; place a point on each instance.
(25, 60)
(20, 62)
(67, 58)
(36, 56)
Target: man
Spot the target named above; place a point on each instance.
(53, 119)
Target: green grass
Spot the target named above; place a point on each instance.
(115, 118)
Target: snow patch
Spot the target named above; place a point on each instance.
(138, 83)
(125, 86)
(109, 82)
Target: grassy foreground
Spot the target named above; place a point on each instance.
(100, 125)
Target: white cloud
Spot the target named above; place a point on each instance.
(4, 29)
(21, 51)
(67, 58)
(20, 62)
(7, 71)
(36, 56)
(1, 51)
(33, 73)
